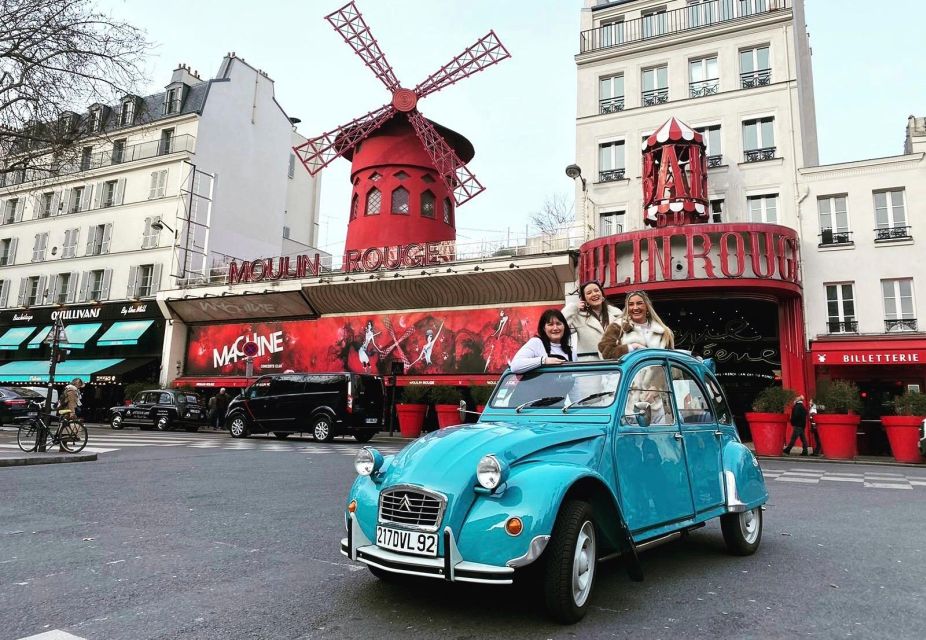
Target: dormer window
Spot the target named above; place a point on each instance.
(172, 100)
(127, 113)
(96, 119)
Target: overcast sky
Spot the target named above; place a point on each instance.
(520, 114)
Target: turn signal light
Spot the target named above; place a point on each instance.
(352, 507)
(514, 526)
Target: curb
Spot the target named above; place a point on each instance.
(45, 458)
(817, 460)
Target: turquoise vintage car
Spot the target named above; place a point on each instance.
(567, 465)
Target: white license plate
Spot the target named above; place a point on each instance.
(422, 544)
(372, 420)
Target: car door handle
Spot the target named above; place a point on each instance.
(678, 436)
(718, 433)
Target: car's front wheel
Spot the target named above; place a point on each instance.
(321, 429)
(116, 423)
(742, 532)
(571, 559)
(238, 427)
(162, 423)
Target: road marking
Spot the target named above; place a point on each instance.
(887, 485)
(918, 483)
(809, 474)
(804, 480)
(56, 634)
(839, 479)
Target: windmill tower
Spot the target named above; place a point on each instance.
(408, 173)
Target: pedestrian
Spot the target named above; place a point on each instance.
(549, 346)
(817, 442)
(210, 409)
(221, 406)
(639, 327)
(588, 320)
(798, 424)
(71, 400)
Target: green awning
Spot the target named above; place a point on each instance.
(37, 370)
(77, 335)
(11, 340)
(122, 333)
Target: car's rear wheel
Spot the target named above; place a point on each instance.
(571, 559)
(116, 423)
(742, 532)
(281, 435)
(238, 427)
(364, 436)
(162, 423)
(321, 429)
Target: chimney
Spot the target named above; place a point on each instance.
(915, 141)
(183, 75)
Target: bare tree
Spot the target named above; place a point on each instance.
(57, 57)
(555, 215)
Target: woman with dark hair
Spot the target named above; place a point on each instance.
(639, 327)
(589, 319)
(549, 346)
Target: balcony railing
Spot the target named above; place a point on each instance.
(714, 161)
(611, 105)
(828, 237)
(655, 96)
(760, 155)
(900, 324)
(892, 233)
(842, 326)
(698, 16)
(703, 88)
(611, 175)
(753, 79)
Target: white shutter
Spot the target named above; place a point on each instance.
(156, 279)
(107, 280)
(107, 234)
(23, 283)
(97, 195)
(72, 286)
(65, 201)
(2, 209)
(85, 286)
(132, 289)
(4, 293)
(52, 288)
(162, 184)
(91, 237)
(85, 197)
(14, 242)
(56, 203)
(120, 192)
(37, 248)
(41, 294)
(146, 236)
(153, 187)
(20, 205)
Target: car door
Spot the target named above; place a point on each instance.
(140, 408)
(702, 438)
(163, 405)
(652, 473)
(287, 395)
(258, 402)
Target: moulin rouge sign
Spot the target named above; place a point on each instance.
(423, 254)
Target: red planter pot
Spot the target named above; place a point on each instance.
(768, 432)
(448, 415)
(838, 431)
(903, 432)
(411, 419)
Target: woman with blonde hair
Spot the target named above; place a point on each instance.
(639, 327)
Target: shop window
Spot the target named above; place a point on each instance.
(400, 201)
(374, 202)
(428, 202)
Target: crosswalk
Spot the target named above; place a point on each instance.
(867, 479)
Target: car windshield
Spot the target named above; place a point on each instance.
(191, 398)
(29, 393)
(556, 389)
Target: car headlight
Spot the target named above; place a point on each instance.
(368, 461)
(491, 472)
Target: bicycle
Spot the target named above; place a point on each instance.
(71, 433)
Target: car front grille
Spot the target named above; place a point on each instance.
(412, 507)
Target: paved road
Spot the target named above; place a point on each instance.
(196, 540)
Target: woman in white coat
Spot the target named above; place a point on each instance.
(639, 327)
(589, 319)
(549, 346)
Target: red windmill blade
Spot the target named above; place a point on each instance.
(487, 51)
(317, 153)
(349, 22)
(451, 168)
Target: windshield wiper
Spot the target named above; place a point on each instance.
(600, 394)
(539, 402)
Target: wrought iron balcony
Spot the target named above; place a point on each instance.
(900, 324)
(828, 237)
(892, 233)
(842, 326)
(714, 161)
(699, 16)
(611, 105)
(655, 96)
(703, 88)
(760, 155)
(611, 175)
(753, 79)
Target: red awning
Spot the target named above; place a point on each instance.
(852, 352)
(197, 382)
(445, 380)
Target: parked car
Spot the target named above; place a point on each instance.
(567, 465)
(17, 402)
(42, 391)
(161, 409)
(323, 404)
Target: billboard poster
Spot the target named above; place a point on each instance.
(455, 341)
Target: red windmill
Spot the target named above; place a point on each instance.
(674, 176)
(408, 173)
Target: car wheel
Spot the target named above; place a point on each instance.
(742, 532)
(364, 436)
(281, 435)
(321, 429)
(238, 427)
(116, 422)
(571, 562)
(162, 423)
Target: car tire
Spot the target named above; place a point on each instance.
(238, 426)
(364, 436)
(322, 429)
(162, 423)
(281, 435)
(117, 422)
(571, 563)
(742, 532)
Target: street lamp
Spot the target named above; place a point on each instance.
(55, 336)
(160, 225)
(574, 171)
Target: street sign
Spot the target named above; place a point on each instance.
(250, 349)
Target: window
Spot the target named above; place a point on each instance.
(703, 77)
(158, 186)
(4, 293)
(62, 288)
(703, 12)
(610, 223)
(717, 210)
(98, 239)
(759, 139)
(172, 101)
(13, 211)
(149, 239)
(840, 308)
(755, 70)
(611, 33)
(86, 154)
(95, 285)
(8, 251)
(693, 407)
(427, 179)
(75, 200)
(890, 216)
(374, 202)
(611, 161)
(899, 314)
(118, 154)
(724, 415)
(749, 7)
(655, 85)
(834, 220)
(375, 177)
(400, 201)
(145, 281)
(127, 113)
(354, 206)
(46, 205)
(96, 119)
(167, 142)
(655, 22)
(39, 247)
(286, 232)
(401, 176)
(712, 144)
(69, 248)
(649, 386)
(291, 172)
(763, 208)
(448, 211)
(108, 198)
(32, 293)
(428, 204)
(611, 94)
(287, 385)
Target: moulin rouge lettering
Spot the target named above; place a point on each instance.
(270, 269)
(417, 254)
(231, 353)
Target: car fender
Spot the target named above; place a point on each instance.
(744, 483)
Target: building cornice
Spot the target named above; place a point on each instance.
(863, 167)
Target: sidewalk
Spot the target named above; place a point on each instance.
(883, 461)
(18, 458)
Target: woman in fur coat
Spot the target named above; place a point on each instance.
(639, 327)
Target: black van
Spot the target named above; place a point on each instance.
(323, 404)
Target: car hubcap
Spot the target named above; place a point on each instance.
(321, 429)
(583, 564)
(117, 421)
(162, 424)
(237, 427)
(749, 525)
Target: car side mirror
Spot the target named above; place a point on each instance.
(642, 413)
